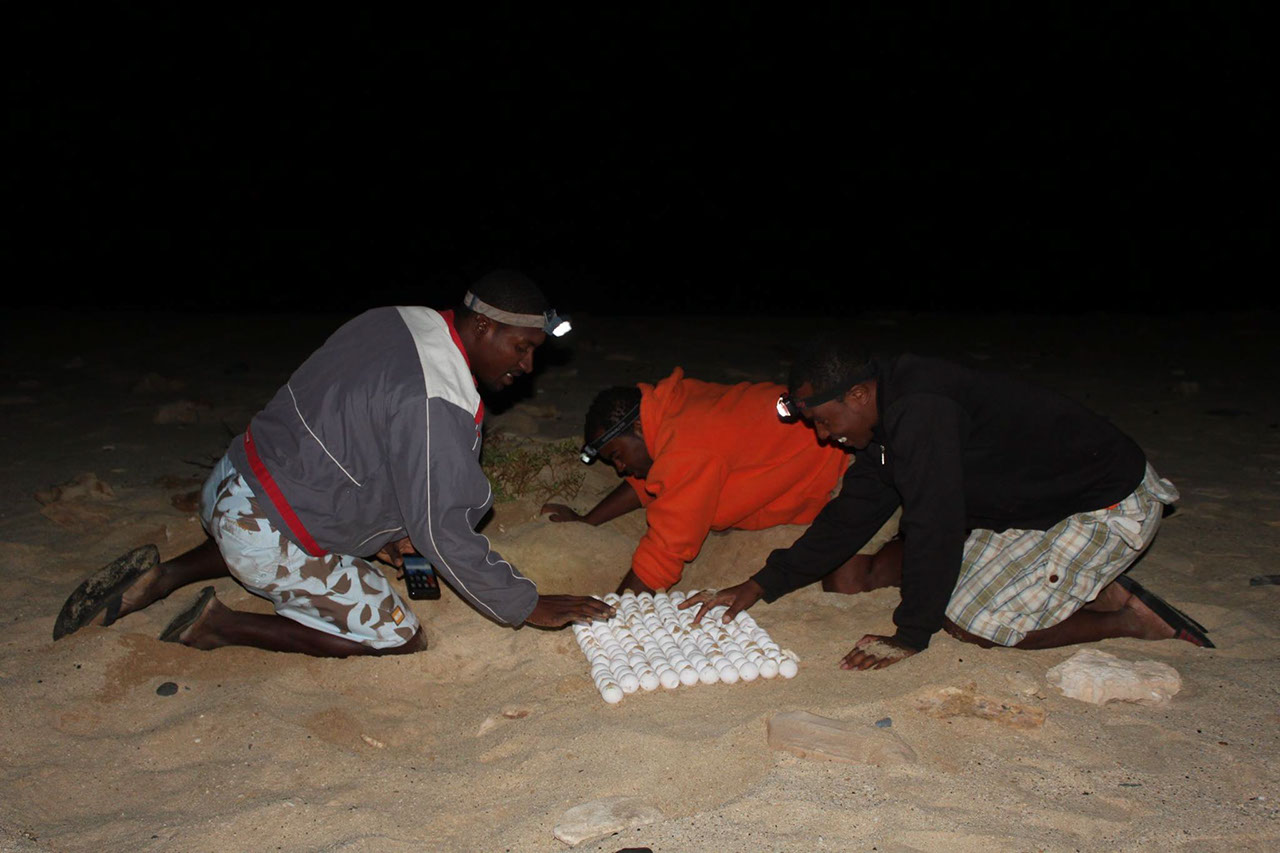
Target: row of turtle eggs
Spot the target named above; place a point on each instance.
(627, 657)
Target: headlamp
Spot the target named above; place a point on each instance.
(555, 325)
(591, 449)
(790, 407)
(787, 407)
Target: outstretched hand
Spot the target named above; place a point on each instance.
(735, 598)
(876, 652)
(556, 611)
(560, 512)
(393, 552)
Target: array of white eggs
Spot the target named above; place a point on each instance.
(651, 642)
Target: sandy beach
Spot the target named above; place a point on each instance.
(486, 739)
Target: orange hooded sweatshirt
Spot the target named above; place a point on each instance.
(722, 458)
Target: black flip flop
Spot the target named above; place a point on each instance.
(184, 619)
(1184, 626)
(102, 591)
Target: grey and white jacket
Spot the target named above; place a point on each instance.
(375, 437)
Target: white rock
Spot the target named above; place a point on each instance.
(600, 818)
(1093, 676)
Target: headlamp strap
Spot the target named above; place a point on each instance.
(592, 448)
(528, 321)
(870, 369)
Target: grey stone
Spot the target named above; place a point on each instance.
(601, 818)
(811, 736)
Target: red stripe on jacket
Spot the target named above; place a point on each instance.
(277, 498)
(457, 341)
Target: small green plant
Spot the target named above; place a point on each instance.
(519, 468)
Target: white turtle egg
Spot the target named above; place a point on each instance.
(649, 680)
(788, 668)
(629, 682)
(728, 674)
(612, 694)
(768, 667)
(669, 679)
(708, 675)
(748, 671)
(688, 676)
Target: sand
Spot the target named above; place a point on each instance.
(486, 739)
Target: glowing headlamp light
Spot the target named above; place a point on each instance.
(555, 325)
(788, 408)
(591, 449)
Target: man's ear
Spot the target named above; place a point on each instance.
(858, 394)
(638, 428)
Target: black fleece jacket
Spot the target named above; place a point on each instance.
(959, 450)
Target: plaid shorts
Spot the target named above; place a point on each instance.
(1018, 581)
(336, 594)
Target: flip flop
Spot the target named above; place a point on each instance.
(183, 620)
(103, 589)
(1184, 626)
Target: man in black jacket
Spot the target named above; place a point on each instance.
(1021, 508)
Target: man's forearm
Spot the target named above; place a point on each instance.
(620, 501)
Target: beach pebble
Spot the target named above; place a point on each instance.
(167, 689)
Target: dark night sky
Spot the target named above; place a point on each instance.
(744, 157)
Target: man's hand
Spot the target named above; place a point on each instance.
(555, 611)
(632, 583)
(560, 512)
(736, 598)
(393, 552)
(876, 652)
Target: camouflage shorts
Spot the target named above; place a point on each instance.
(336, 594)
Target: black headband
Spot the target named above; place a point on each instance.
(591, 449)
(790, 407)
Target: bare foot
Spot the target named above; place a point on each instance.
(145, 591)
(1113, 597)
(202, 632)
(1146, 624)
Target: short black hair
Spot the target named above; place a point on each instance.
(508, 290)
(828, 362)
(609, 407)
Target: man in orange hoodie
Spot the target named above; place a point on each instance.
(700, 456)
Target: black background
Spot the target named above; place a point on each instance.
(738, 158)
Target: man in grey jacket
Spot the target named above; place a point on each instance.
(371, 448)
